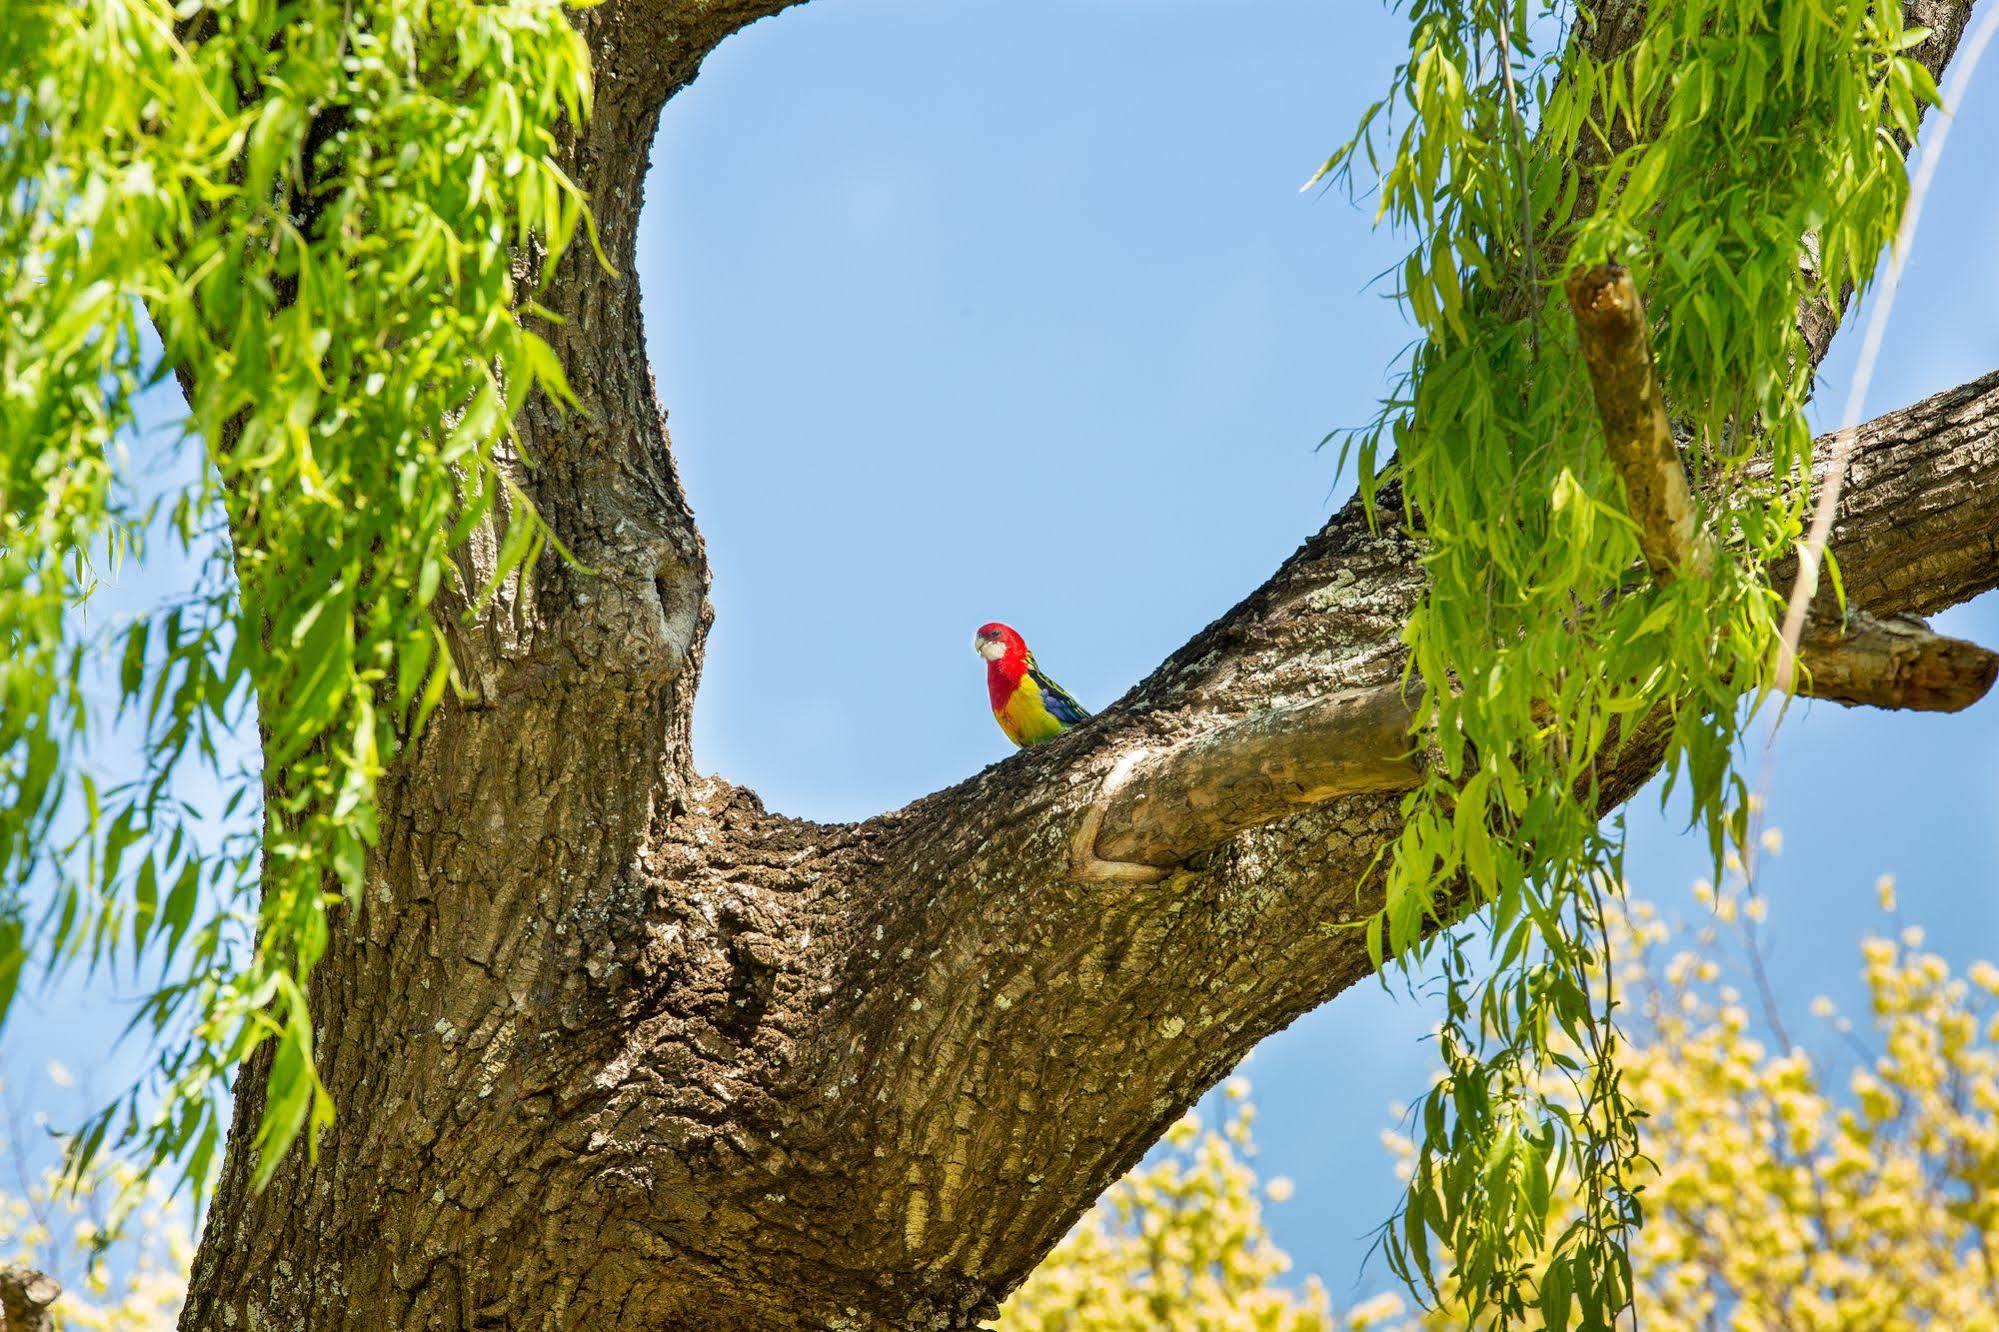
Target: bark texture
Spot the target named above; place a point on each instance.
(617, 1048)
(1895, 663)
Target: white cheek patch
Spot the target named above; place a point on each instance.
(990, 649)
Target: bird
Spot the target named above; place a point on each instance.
(1028, 705)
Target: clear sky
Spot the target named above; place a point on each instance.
(1015, 311)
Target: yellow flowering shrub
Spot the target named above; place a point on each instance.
(138, 1285)
(1778, 1202)
(1784, 1195)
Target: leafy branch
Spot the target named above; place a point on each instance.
(1688, 160)
(309, 211)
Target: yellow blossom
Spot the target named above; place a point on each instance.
(1375, 1312)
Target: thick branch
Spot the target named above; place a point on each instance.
(654, 48)
(1919, 531)
(1271, 763)
(1003, 983)
(1918, 526)
(1617, 348)
(1172, 806)
(1894, 663)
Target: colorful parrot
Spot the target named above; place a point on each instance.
(1028, 705)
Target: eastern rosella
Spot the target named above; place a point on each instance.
(1028, 705)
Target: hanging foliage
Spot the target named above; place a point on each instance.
(310, 209)
(1740, 159)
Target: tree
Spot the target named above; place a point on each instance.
(611, 1045)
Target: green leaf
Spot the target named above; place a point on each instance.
(13, 960)
(547, 370)
(178, 913)
(1554, 1301)
(132, 671)
(145, 900)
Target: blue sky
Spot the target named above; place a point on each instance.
(1016, 311)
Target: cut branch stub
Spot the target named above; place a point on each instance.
(1197, 795)
(1896, 662)
(1617, 349)
(25, 1300)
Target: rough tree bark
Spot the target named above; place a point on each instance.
(615, 1047)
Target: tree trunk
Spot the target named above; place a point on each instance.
(614, 1047)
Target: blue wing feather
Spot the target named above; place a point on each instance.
(1061, 705)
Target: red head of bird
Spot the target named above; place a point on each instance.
(996, 642)
(1007, 660)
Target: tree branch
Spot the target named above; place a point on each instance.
(1164, 809)
(1918, 528)
(651, 49)
(1617, 349)
(26, 1297)
(1894, 663)
(1197, 795)
(1004, 980)
(1919, 531)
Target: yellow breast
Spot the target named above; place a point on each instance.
(1024, 719)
